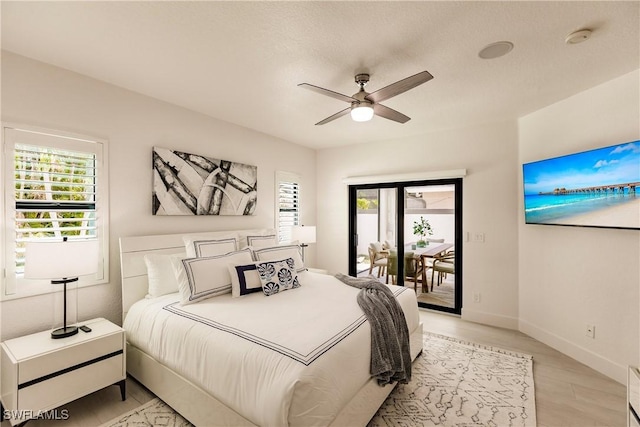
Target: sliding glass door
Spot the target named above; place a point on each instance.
(409, 234)
(377, 219)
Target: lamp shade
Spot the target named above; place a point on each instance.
(362, 113)
(58, 260)
(304, 233)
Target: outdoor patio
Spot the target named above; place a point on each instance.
(442, 295)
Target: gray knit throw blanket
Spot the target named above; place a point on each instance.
(390, 351)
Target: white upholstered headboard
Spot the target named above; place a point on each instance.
(133, 269)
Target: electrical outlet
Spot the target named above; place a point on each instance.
(590, 331)
(476, 297)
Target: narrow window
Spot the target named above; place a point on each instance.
(287, 204)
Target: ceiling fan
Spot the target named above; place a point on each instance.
(364, 105)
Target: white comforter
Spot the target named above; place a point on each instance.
(294, 358)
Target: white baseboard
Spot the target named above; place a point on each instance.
(593, 360)
(490, 319)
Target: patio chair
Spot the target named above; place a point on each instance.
(443, 265)
(377, 258)
(412, 268)
(432, 240)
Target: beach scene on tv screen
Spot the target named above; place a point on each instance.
(598, 188)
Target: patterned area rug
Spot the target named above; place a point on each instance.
(153, 413)
(457, 383)
(454, 383)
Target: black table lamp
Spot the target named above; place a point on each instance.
(61, 262)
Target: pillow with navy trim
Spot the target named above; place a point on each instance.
(202, 278)
(200, 246)
(160, 275)
(243, 234)
(262, 241)
(277, 276)
(281, 252)
(244, 279)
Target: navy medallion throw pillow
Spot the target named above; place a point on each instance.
(277, 276)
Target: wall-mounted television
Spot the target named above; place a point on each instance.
(595, 188)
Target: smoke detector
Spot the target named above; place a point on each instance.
(578, 36)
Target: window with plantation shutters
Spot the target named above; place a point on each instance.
(56, 192)
(288, 204)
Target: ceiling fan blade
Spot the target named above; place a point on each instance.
(390, 113)
(399, 87)
(327, 92)
(335, 116)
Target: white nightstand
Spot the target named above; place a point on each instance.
(40, 373)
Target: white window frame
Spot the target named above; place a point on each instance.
(13, 284)
(286, 177)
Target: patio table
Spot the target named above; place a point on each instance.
(433, 250)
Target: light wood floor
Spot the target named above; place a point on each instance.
(568, 393)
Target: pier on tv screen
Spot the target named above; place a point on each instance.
(596, 188)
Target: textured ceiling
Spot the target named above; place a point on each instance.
(241, 61)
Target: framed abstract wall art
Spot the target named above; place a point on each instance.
(192, 184)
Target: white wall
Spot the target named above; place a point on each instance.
(570, 276)
(490, 205)
(42, 95)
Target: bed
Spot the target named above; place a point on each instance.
(294, 358)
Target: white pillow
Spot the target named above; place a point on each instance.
(161, 275)
(244, 279)
(262, 241)
(201, 246)
(243, 234)
(280, 252)
(202, 278)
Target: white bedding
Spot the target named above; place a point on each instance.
(294, 358)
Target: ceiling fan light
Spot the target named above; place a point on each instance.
(362, 113)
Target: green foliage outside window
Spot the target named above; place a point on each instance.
(52, 189)
(365, 204)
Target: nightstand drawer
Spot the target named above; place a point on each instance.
(55, 391)
(61, 359)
